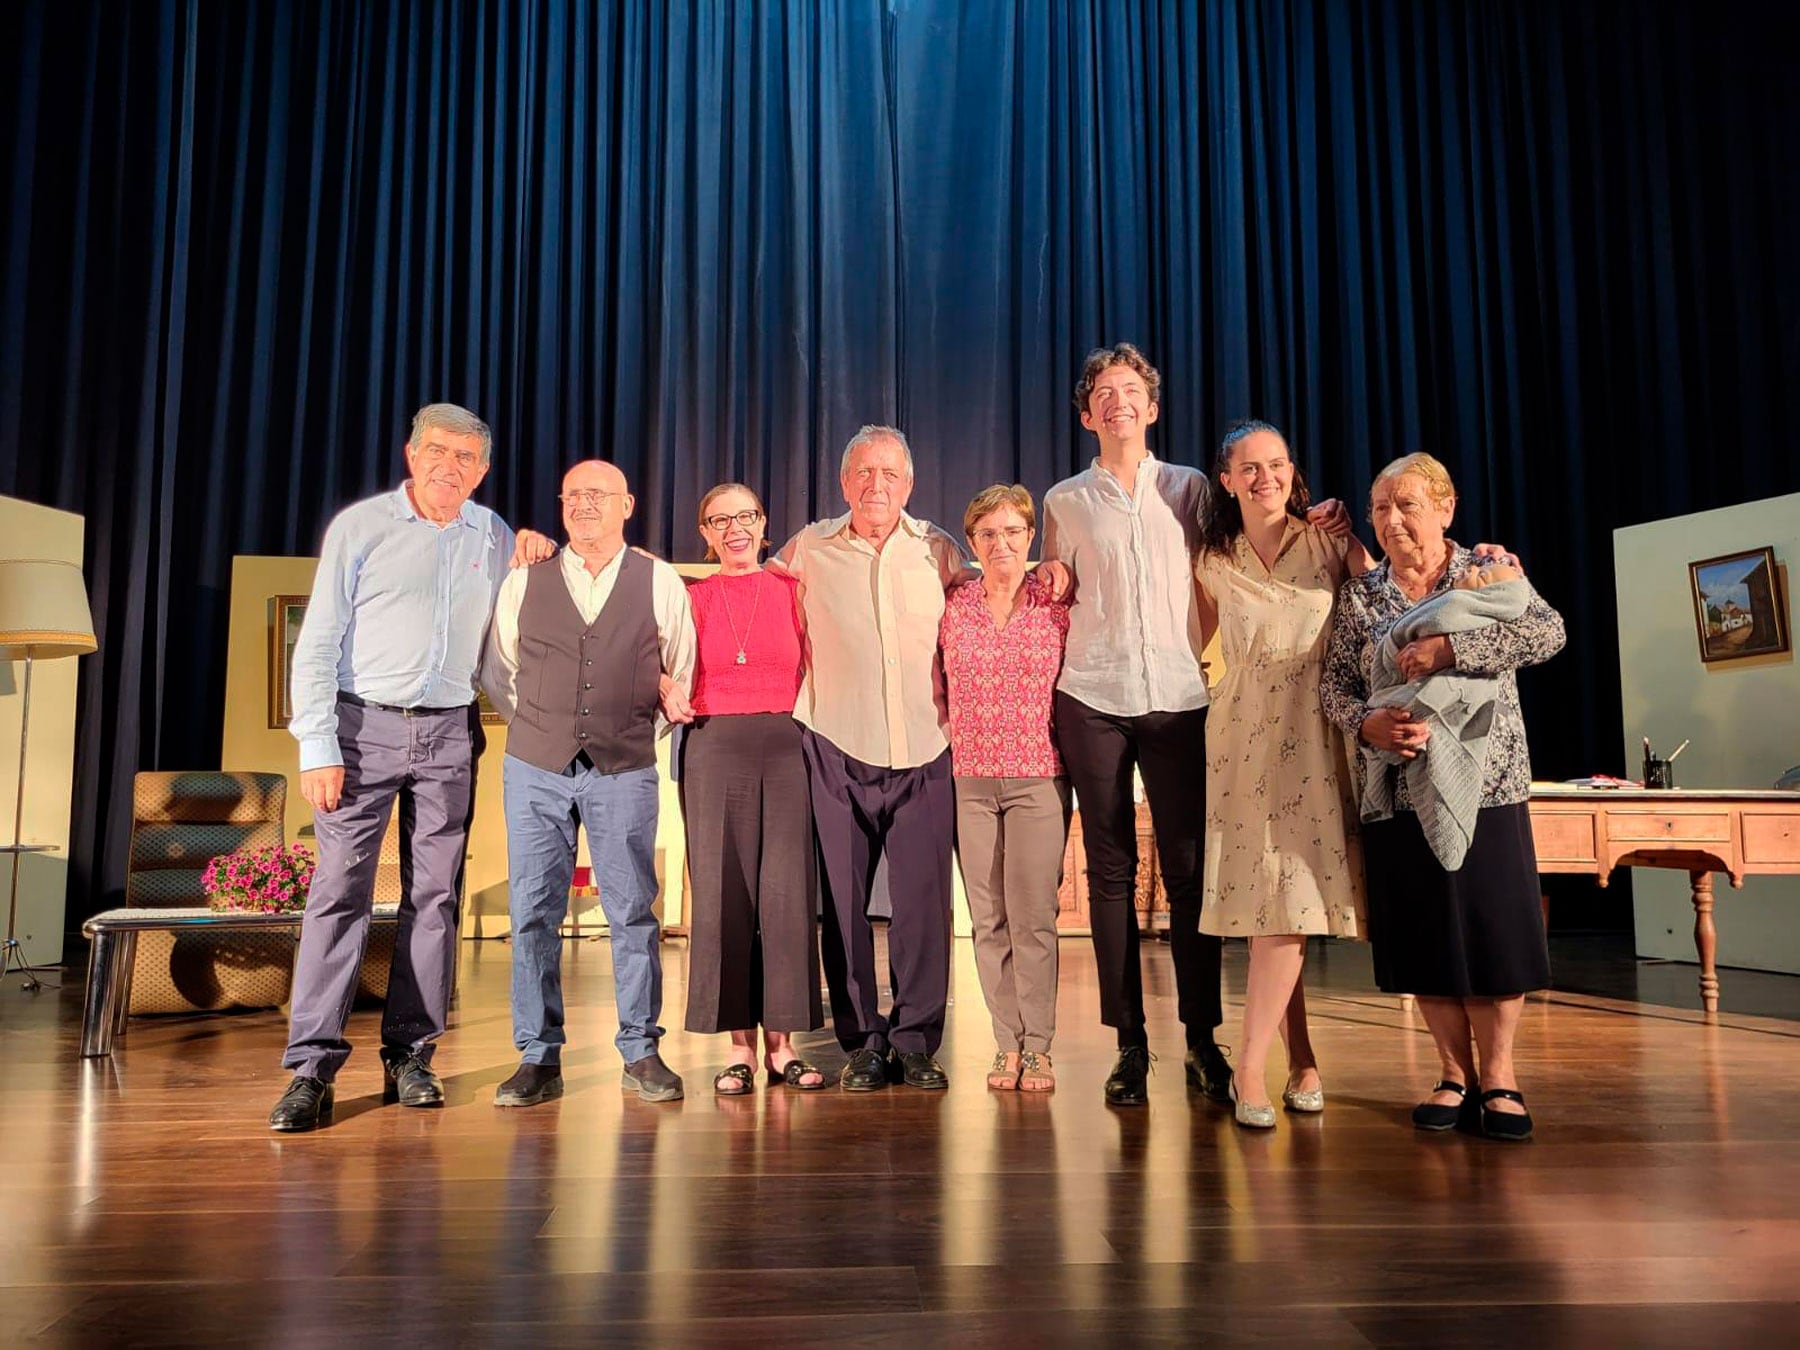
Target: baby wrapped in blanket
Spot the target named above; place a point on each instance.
(1444, 780)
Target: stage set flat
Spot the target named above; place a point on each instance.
(147, 1202)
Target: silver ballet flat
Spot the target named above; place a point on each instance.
(1251, 1117)
(1308, 1103)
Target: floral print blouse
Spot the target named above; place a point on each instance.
(1370, 604)
(1001, 682)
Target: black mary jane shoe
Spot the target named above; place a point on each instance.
(1431, 1116)
(1512, 1126)
(791, 1074)
(734, 1080)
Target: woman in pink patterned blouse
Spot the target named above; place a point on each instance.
(1002, 639)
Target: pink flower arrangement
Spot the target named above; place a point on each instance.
(272, 880)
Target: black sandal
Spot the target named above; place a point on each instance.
(1511, 1126)
(1430, 1116)
(734, 1073)
(790, 1074)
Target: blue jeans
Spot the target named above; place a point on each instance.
(619, 811)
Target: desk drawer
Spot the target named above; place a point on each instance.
(1669, 825)
(1770, 838)
(1563, 838)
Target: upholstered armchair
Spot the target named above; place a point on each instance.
(180, 821)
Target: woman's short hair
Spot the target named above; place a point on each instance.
(1427, 469)
(1102, 359)
(718, 491)
(991, 499)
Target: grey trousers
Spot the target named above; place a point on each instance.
(1010, 834)
(427, 762)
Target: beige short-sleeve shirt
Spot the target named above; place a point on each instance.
(874, 683)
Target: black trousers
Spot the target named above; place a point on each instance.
(860, 810)
(753, 940)
(1169, 749)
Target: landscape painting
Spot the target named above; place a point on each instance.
(1738, 607)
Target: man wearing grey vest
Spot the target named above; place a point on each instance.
(576, 659)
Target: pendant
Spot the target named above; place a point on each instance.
(740, 656)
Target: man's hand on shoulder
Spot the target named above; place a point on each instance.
(531, 547)
(1056, 578)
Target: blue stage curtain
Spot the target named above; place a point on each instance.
(1553, 244)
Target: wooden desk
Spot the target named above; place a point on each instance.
(1696, 830)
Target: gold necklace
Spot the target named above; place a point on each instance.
(750, 624)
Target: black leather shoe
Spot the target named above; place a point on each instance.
(652, 1080)
(917, 1069)
(306, 1102)
(1129, 1082)
(410, 1082)
(529, 1085)
(1208, 1073)
(866, 1071)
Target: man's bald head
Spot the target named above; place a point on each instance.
(596, 503)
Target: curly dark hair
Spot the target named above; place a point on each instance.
(1105, 358)
(1221, 520)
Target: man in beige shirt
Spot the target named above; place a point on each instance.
(872, 705)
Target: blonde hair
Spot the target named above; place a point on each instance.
(991, 499)
(718, 491)
(1424, 467)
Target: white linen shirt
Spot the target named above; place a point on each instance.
(1134, 630)
(590, 591)
(874, 683)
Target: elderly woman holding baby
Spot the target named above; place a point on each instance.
(1420, 675)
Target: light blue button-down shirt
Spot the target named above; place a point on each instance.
(399, 614)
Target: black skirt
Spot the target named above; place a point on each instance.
(1477, 932)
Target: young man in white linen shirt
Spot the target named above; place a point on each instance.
(1131, 695)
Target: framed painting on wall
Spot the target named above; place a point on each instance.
(285, 615)
(1738, 609)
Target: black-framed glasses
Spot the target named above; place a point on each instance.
(588, 497)
(723, 522)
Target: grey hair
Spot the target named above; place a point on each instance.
(869, 435)
(457, 420)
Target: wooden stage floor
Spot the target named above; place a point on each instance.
(146, 1202)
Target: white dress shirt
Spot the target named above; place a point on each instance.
(874, 683)
(590, 591)
(1134, 631)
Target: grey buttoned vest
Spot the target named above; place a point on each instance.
(591, 687)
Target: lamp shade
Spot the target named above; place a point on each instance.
(43, 610)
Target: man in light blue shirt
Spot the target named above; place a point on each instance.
(384, 709)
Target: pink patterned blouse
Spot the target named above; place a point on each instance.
(1001, 682)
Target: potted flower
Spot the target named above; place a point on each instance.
(271, 880)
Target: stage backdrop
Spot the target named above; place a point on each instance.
(1552, 244)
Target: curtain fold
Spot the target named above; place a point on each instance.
(708, 240)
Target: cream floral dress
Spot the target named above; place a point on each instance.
(1282, 855)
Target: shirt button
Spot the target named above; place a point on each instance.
(587, 686)
(890, 660)
(588, 662)
(584, 712)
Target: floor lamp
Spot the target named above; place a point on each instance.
(43, 615)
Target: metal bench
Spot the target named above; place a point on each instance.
(111, 957)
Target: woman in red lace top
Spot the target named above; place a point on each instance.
(753, 950)
(1002, 640)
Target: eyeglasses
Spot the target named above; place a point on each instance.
(744, 518)
(434, 453)
(1013, 533)
(588, 497)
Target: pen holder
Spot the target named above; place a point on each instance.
(1658, 773)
